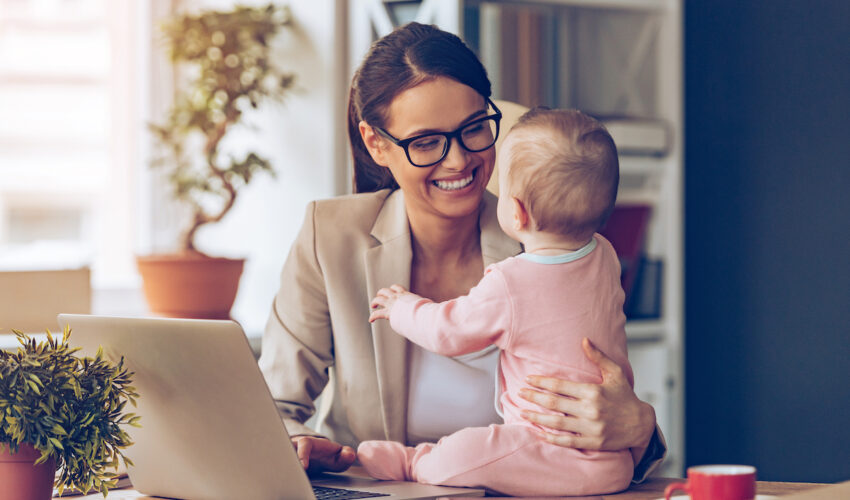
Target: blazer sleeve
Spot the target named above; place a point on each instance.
(297, 342)
(652, 457)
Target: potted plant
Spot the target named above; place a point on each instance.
(230, 58)
(59, 411)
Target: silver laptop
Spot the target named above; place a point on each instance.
(210, 429)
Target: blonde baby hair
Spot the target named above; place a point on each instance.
(563, 167)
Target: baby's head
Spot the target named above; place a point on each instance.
(560, 167)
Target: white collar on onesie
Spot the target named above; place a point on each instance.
(562, 258)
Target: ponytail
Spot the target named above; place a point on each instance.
(368, 175)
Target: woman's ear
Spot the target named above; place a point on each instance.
(373, 143)
(521, 217)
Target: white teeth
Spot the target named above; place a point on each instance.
(454, 185)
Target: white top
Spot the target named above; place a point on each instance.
(449, 394)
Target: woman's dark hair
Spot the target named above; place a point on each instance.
(410, 55)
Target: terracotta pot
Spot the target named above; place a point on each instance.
(190, 285)
(20, 479)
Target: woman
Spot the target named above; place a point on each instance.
(422, 219)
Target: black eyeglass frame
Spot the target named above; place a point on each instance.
(455, 134)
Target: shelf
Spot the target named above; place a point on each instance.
(642, 165)
(641, 178)
(645, 5)
(645, 330)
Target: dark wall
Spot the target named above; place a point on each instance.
(767, 199)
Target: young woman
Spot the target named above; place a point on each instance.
(422, 218)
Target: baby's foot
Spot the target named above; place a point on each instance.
(386, 460)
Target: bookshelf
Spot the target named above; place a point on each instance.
(618, 59)
(611, 58)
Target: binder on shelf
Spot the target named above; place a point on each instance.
(626, 230)
(645, 299)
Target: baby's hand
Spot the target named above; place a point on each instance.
(384, 301)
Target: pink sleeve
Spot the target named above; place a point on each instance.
(460, 326)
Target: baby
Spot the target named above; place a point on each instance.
(558, 175)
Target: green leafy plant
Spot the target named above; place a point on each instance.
(67, 407)
(228, 55)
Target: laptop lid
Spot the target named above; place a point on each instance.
(209, 426)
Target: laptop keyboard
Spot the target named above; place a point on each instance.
(323, 493)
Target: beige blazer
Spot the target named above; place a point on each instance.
(318, 336)
(318, 339)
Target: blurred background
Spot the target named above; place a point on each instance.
(734, 218)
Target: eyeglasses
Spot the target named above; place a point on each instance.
(429, 149)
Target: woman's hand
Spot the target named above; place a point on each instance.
(383, 302)
(606, 416)
(323, 455)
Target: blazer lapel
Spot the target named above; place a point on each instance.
(389, 263)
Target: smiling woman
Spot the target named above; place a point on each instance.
(450, 177)
(428, 224)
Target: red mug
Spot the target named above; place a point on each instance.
(717, 482)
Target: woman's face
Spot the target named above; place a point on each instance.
(453, 187)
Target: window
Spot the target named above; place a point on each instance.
(71, 129)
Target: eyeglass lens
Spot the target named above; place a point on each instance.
(477, 136)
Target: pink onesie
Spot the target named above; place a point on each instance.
(536, 310)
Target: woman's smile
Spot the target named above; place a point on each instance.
(455, 184)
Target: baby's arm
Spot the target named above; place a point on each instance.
(459, 326)
(384, 301)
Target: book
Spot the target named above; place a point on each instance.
(638, 136)
(626, 230)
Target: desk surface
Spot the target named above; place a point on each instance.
(652, 489)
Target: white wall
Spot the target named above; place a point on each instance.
(305, 140)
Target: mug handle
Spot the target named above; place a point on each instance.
(668, 491)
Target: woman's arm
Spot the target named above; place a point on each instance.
(606, 416)
(298, 350)
(297, 342)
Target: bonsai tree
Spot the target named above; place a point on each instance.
(231, 70)
(68, 408)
